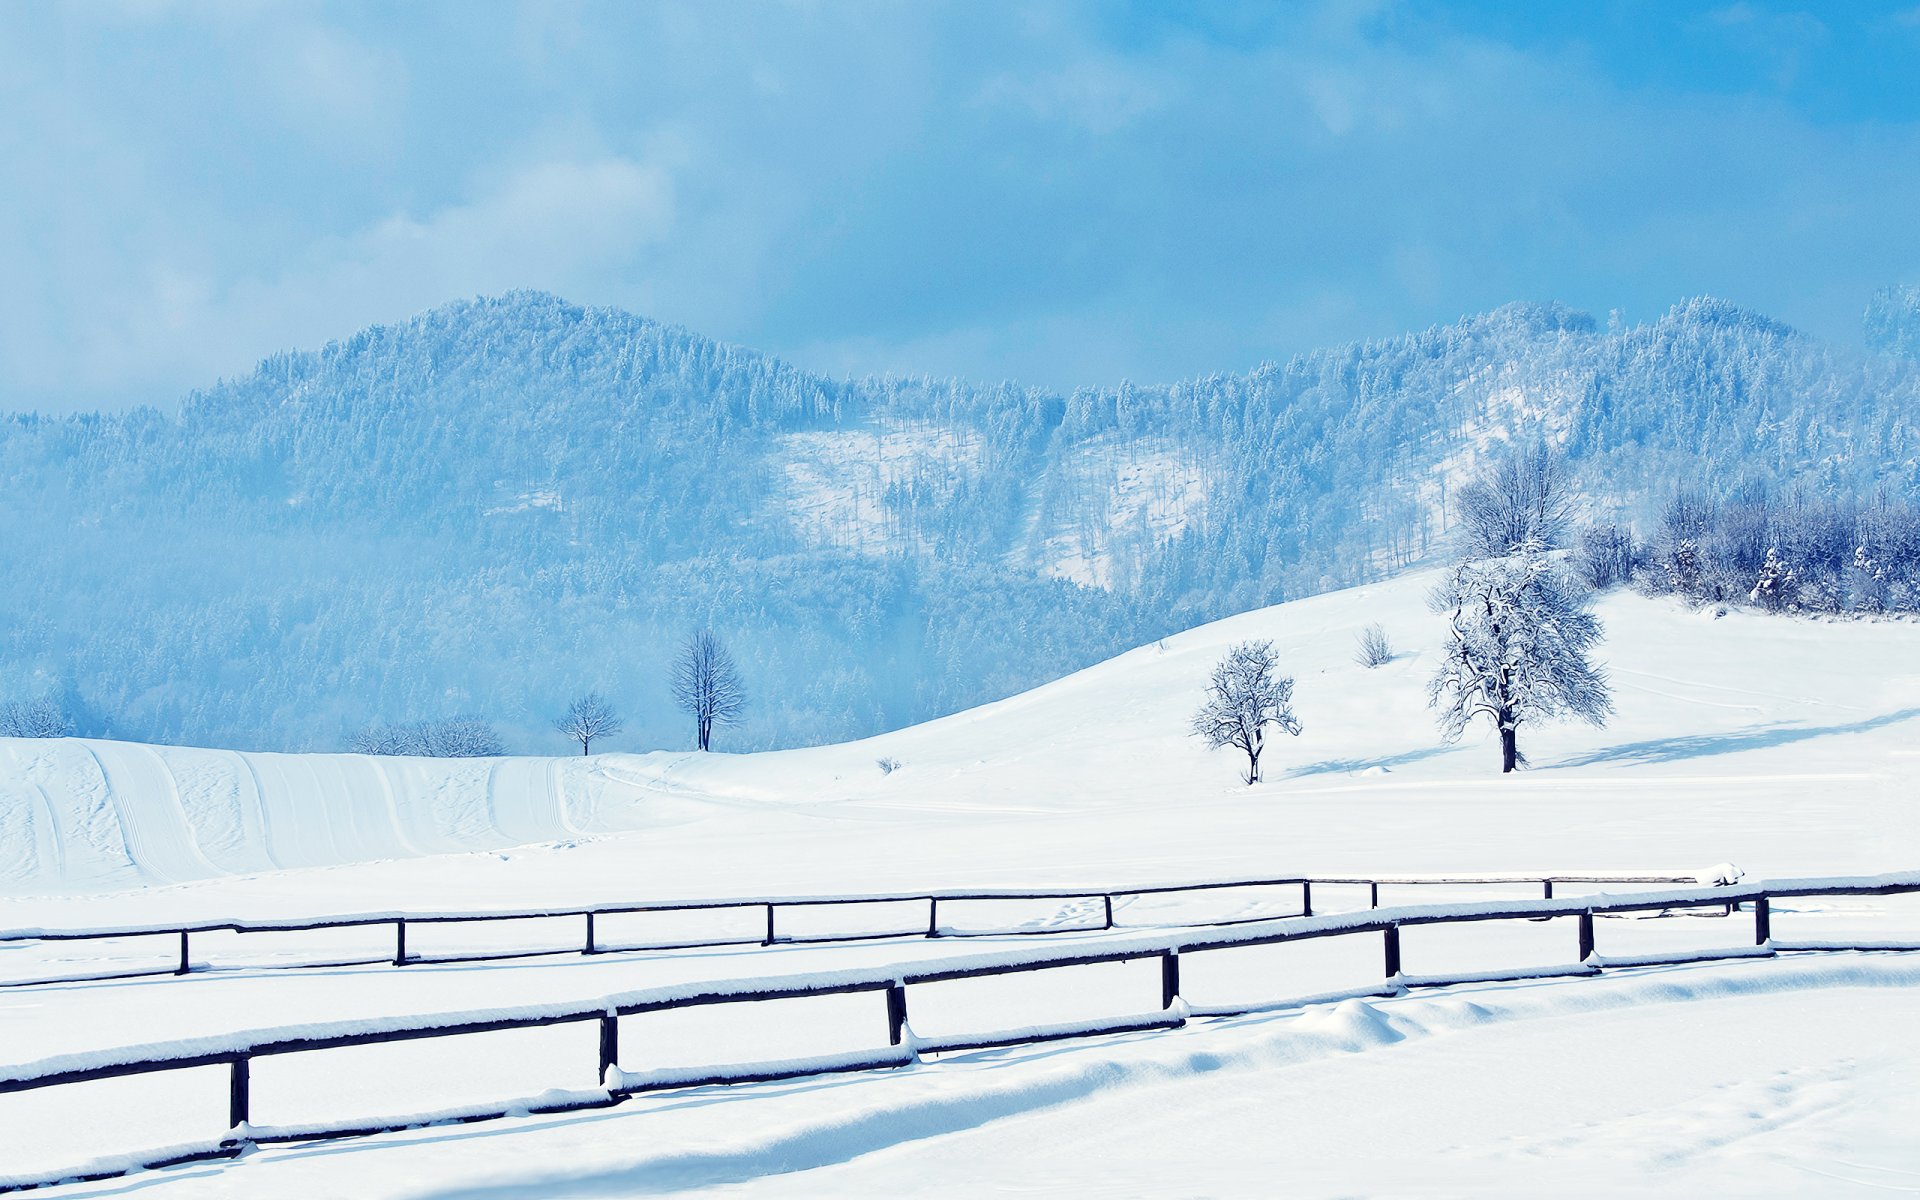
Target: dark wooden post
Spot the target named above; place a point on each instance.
(1306, 897)
(1586, 936)
(1373, 893)
(1392, 950)
(933, 916)
(590, 948)
(400, 942)
(768, 940)
(609, 1045)
(239, 1092)
(1169, 978)
(1762, 921)
(185, 964)
(1109, 903)
(896, 1012)
(1546, 889)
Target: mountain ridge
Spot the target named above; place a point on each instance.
(503, 501)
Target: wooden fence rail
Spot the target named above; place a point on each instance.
(592, 942)
(240, 1050)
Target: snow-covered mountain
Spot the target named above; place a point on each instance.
(502, 503)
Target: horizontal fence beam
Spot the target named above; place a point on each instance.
(594, 945)
(362, 920)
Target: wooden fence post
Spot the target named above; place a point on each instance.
(239, 1092)
(1546, 889)
(1169, 978)
(609, 1045)
(896, 1012)
(1306, 897)
(933, 916)
(1373, 893)
(185, 964)
(1392, 933)
(1109, 900)
(1762, 921)
(1586, 936)
(400, 942)
(768, 940)
(590, 948)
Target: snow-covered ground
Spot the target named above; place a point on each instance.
(1786, 746)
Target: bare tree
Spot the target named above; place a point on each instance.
(41, 718)
(1520, 633)
(706, 685)
(588, 718)
(1246, 694)
(449, 737)
(1521, 499)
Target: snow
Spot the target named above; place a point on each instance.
(1779, 745)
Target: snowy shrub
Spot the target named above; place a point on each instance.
(887, 765)
(452, 737)
(1604, 555)
(41, 718)
(1374, 649)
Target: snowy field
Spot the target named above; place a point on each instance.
(1785, 746)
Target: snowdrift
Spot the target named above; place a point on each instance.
(79, 812)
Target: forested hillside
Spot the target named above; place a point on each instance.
(503, 503)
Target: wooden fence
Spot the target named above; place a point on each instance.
(238, 1052)
(768, 932)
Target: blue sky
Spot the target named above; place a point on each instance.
(1057, 193)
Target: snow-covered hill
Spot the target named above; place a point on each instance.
(505, 502)
(1783, 744)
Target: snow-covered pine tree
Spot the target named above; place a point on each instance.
(1686, 572)
(1774, 586)
(1246, 694)
(1868, 583)
(1520, 636)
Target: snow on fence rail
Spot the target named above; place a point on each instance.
(591, 941)
(237, 1051)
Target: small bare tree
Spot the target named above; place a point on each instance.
(588, 718)
(706, 685)
(1247, 694)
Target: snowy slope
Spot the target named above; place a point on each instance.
(1782, 744)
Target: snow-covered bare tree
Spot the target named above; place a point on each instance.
(1246, 694)
(41, 718)
(588, 718)
(706, 685)
(1520, 498)
(449, 737)
(1520, 632)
